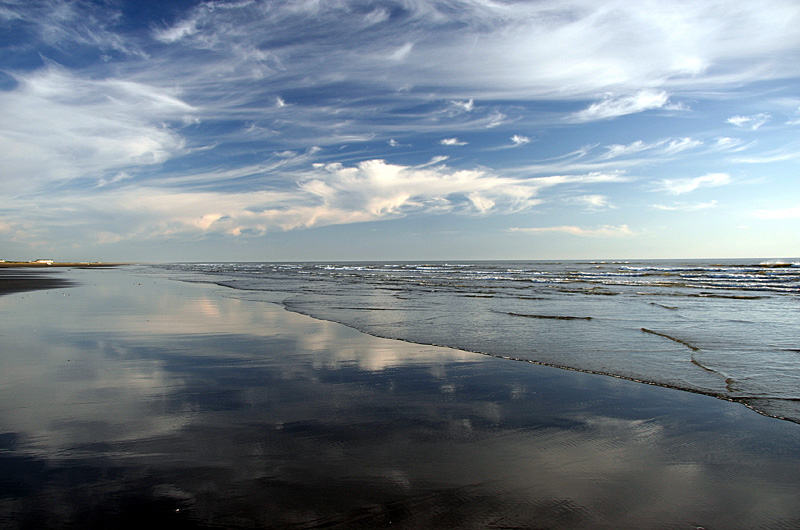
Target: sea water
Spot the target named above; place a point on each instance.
(727, 328)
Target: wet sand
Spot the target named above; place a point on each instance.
(130, 399)
(16, 281)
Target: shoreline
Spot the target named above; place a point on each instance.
(717, 395)
(740, 400)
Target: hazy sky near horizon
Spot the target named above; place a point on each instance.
(399, 129)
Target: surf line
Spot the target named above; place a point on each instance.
(728, 380)
(552, 317)
(679, 341)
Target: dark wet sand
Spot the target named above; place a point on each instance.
(130, 399)
(16, 281)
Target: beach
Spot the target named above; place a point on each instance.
(129, 398)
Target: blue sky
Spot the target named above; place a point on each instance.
(407, 129)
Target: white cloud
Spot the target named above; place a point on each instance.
(572, 49)
(433, 161)
(681, 144)
(518, 140)
(687, 185)
(600, 231)
(732, 144)
(614, 106)
(749, 122)
(465, 106)
(780, 155)
(680, 106)
(119, 177)
(662, 148)
(617, 150)
(452, 142)
(594, 177)
(482, 203)
(582, 47)
(63, 25)
(183, 29)
(593, 202)
(402, 53)
(57, 127)
(325, 194)
(376, 189)
(685, 206)
(784, 213)
(496, 119)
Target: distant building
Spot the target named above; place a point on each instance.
(45, 261)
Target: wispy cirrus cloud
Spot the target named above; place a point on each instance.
(617, 150)
(600, 231)
(517, 140)
(624, 157)
(731, 144)
(68, 25)
(463, 106)
(593, 202)
(58, 126)
(686, 207)
(566, 50)
(750, 122)
(667, 147)
(569, 50)
(452, 142)
(779, 213)
(687, 185)
(614, 106)
(772, 156)
(680, 144)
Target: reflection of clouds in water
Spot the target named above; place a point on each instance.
(100, 365)
(208, 308)
(144, 306)
(370, 354)
(69, 394)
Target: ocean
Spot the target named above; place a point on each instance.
(726, 328)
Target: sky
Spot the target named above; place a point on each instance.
(269, 130)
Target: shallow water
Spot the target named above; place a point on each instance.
(132, 399)
(725, 328)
